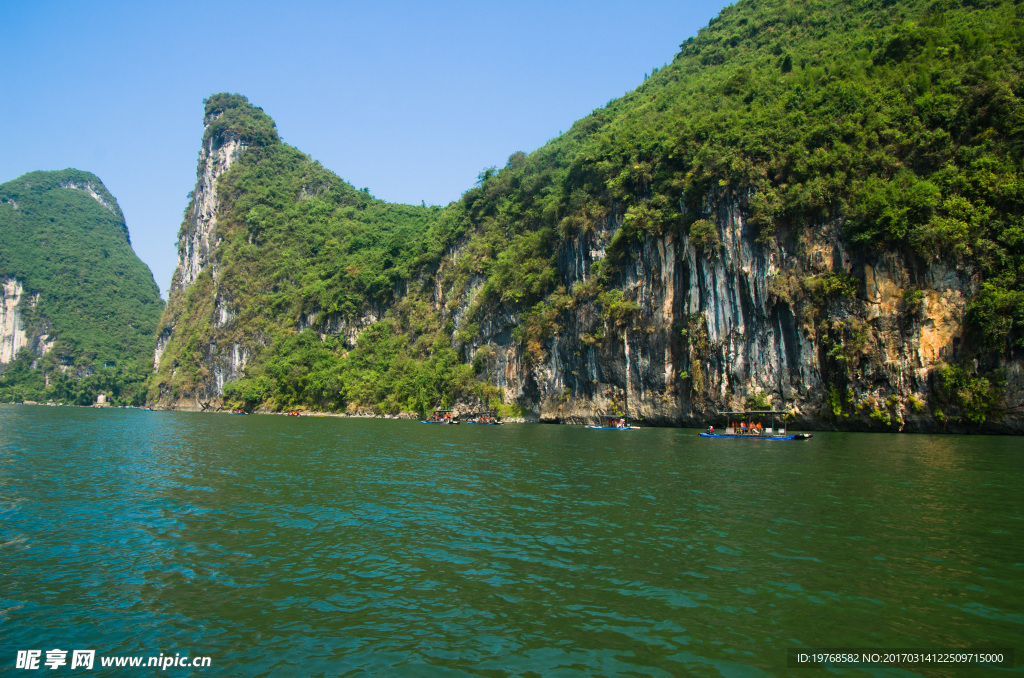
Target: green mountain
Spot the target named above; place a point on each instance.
(79, 308)
(273, 243)
(815, 206)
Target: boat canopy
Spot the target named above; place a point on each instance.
(755, 413)
(613, 419)
(763, 422)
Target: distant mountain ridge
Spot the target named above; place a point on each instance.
(79, 308)
(815, 206)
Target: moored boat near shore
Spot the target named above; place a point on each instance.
(749, 425)
(488, 418)
(614, 422)
(441, 417)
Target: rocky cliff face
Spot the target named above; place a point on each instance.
(12, 330)
(195, 241)
(666, 309)
(798, 322)
(801, 324)
(14, 335)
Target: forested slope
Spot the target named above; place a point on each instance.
(303, 262)
(814, 205)
(81, 309)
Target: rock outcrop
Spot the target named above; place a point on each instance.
(196, 239)
(197, 244)
(12, 330)
(742, 324)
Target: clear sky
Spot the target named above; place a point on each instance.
(409, 99)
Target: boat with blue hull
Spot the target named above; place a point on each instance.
(749, 425)
(795, 436)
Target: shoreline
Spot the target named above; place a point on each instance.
(801, 424)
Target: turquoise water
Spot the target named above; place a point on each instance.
(328, 546)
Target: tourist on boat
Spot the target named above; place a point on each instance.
(743, 427)
(711, 429)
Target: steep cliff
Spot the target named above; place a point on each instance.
(813, 208)
(78, 309)
(272, 246)
(12, 327)
(223, 143)
(806, 326)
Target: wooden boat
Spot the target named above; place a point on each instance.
(615, 423)
(749, 425)
(488, 418)
(442, 417)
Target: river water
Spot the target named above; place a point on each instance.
(330, 546)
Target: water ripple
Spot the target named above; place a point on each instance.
(362, 547)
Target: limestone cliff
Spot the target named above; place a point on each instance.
(12, 329)
(223, 144)
(197, 240)
(742, 324)
(815, 207)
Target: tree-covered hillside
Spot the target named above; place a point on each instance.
(902, 123)
(64, 239)
(902, 120)
(898, 124)
(301, 251)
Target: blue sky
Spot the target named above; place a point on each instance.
(411, 100)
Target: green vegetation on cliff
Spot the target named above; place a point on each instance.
(900, 123)
(401, 364)
(64, 239)
(903, 121)
(300, 247)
